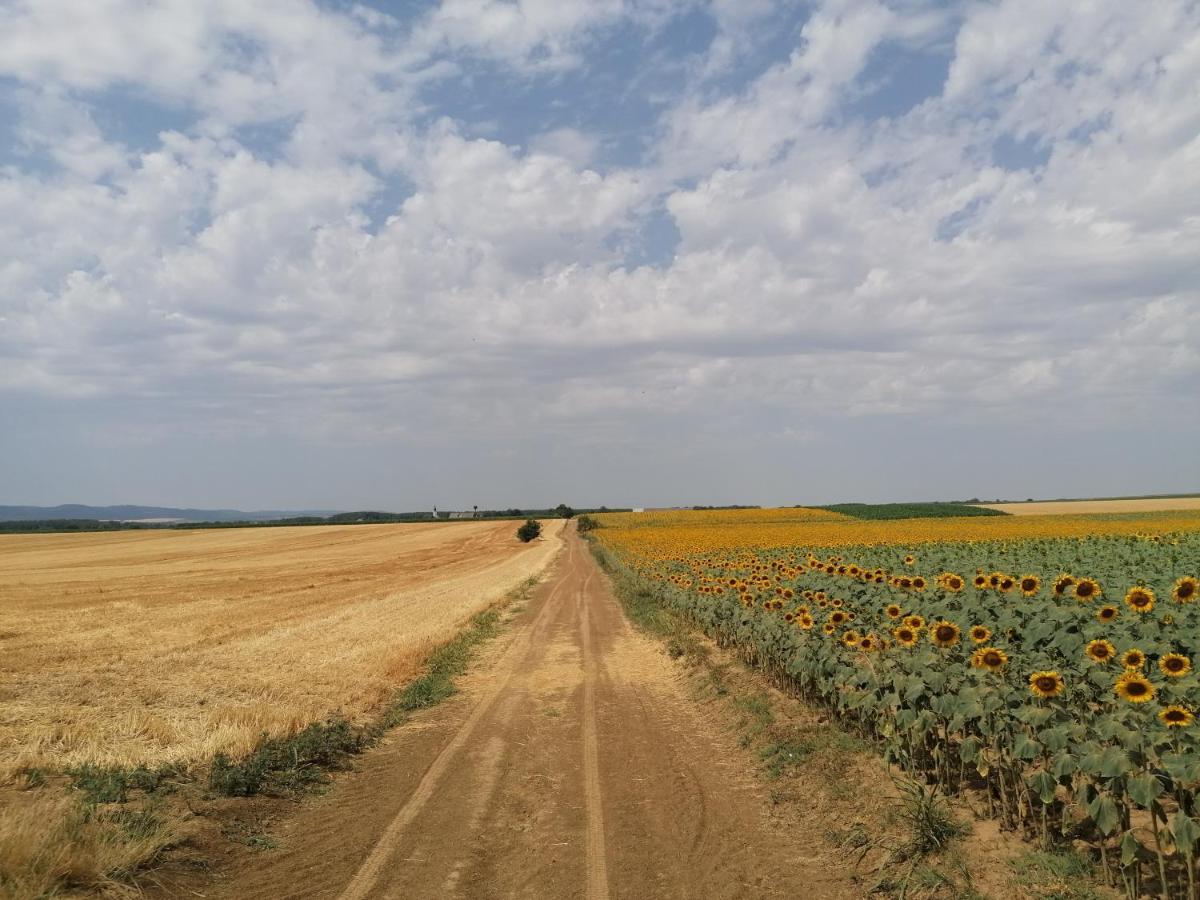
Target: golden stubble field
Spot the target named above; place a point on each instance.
(160, 647)
(1094, 507)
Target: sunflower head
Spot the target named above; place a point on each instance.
(837, 617)
(1061, 583)
(894, 611)
(944, 634)
(1186, 590)
(909, 559)
(980, 634)
(905, 635)
(1134, 687)
(1046, 684)
(850, 638)
(1101, 651)
(1106, 613)
(1030, 585)
(1007, 583)
(1133, 659)
(953, 582)
(980, 582)
(1174, 665)
(1176, 716)
(805, 621)
(991, 659)
(918, 582)
(914, 621)
(868, 643)
(829, 628)
(1140, 599)
(1086, 590)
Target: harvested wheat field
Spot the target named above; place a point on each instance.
(160, 647)
(1094, 507)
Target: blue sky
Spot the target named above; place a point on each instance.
(341, 255)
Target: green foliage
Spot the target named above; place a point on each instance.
(529, 531)
(563, 511)
(586, 524)
(910, 510)
(112, 785)
(284, 765)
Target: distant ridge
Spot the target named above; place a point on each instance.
(129, 513)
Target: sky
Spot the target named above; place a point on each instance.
(396, 254)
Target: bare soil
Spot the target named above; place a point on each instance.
(576, 762)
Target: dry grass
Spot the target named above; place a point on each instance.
(170, 646)
(48, 840)
(1068, 507)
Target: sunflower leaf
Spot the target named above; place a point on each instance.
(1144, 789)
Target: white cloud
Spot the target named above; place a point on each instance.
(825, 263)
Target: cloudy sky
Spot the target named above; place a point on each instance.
(397, 253)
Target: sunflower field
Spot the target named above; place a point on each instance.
(1045, 671)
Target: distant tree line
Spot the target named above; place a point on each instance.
(362, 517)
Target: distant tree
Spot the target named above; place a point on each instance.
(586, 523)
(564, 511)
(530, 530)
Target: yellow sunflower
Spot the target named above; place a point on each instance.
(1174, 665)
(850, 638)
(894, 611)
(1007, 583)
(1046, 684)
(829, 628)
(980, 635)
(1106, 613)
(993, 659)
(1134, 687)
(1140, 599)
(1087, 589)
(980, 582)
(909, 559)
(1133, 659)
(1062, 582)
(914, 621)
(944, 634)
(918, 582)
(1186, 589)
(1101, 651)
(1030, 585)
(837, 617)
(906, 636)
(1176, 716)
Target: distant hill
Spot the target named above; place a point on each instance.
(130, 513)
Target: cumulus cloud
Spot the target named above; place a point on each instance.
(314, 241)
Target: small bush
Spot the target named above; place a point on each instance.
(586, 523)
(289, 764)
(530, 530)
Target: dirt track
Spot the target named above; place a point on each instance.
(572, 765)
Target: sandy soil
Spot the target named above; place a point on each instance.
(1066, 507)
(168, 646)
(574, 764)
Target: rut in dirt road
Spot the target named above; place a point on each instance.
(572, 765)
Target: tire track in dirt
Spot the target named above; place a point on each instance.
(368, 873)
(597, 865)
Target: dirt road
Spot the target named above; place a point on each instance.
(572, 765)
